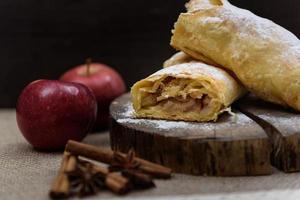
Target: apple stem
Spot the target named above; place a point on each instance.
(88, 66)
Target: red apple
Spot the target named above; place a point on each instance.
(49, 113)
(106, 83)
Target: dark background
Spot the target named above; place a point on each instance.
(44, 38)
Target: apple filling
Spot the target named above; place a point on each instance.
(176, 97)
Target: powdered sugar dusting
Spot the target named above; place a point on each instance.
(241, 41)
(129, 112)
(286, 122)
(262, 26)
(227, 124)
(252, 27)
(211, 20)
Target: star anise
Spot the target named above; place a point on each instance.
(121, 162)
(129, 168)
(84, 181)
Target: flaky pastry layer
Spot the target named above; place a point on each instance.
(191, 92)
(263, 55)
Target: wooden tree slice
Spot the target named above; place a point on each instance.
(234, 146)
(283, 128)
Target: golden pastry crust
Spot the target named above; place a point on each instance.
(263, 55)
(191, 92)
(182, 57)
(194, 5)
(178, 58)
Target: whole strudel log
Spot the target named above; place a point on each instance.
(263, 55)
(190, 92)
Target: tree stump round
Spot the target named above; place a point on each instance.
(233, 146)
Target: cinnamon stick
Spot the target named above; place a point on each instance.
(71, 164)
(117, 183)
(107, 156)
(61, 186)
(100, 169)
(139, 180)
(113, 181)
(89, 151)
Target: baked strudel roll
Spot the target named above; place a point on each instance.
(190, 92)
(264, 56)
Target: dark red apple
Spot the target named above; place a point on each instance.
(49, 113)
(106, 83)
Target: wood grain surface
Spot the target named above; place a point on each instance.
(233, 146)
(283, 128)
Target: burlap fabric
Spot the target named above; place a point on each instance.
(27, 174)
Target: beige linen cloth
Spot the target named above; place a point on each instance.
(26, 174)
